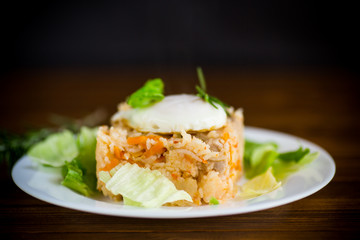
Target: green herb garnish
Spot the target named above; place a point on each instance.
(14, 146)
(150, 93)
(202, 92)
(213, 201)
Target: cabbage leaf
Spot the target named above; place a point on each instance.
(259, 157)
(55, 150)
(142, 186)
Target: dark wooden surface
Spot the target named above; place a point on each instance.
(319, 105)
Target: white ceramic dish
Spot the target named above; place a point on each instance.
(44, 184)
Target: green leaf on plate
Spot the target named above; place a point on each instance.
(55, 150)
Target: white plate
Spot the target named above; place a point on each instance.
(44, 184)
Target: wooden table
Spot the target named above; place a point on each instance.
(319, 105)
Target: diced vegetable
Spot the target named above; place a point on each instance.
(142, 187)
(213, 201)
(147, 95)
(55, 150)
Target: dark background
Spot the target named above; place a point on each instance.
(243, 34)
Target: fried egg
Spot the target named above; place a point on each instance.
(174, 114)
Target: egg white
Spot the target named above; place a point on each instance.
(174, 114)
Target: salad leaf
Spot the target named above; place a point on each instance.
(73, 178)
(259, 185)
(294, 155)
(80, 173)
(202, 93)
(141, 186)
(283, 169)
(86, 143)
(258, 157)
(150, 93)
(55, 150)
(77, 156)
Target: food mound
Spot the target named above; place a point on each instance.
(196, 144)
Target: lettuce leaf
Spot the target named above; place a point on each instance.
(259, 157)
(283, 168)
(86, 143)
(80, 173)
(141, 186)
(55, 150)
(76, 156)
(73, 178)
(296, 155)
(259, 185)
(150, 93)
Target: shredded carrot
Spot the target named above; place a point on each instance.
(113, 163)
(238, 165)
(114, 159)
(118, 154)
(141, 140)
(157, 148)
(226, 136)
(174, 175)
(231, 152)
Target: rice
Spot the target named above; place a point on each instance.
(204, 164)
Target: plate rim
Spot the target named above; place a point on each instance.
(165, 212)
